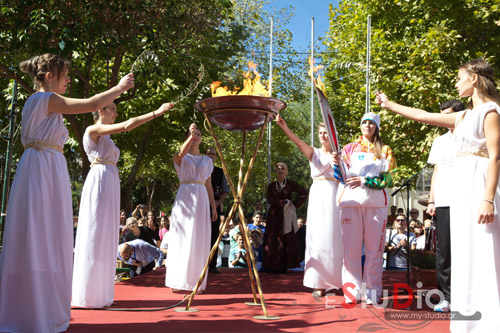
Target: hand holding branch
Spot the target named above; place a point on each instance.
(192, 130)
(126, 82)
(163, 108)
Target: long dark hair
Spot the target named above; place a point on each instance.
(377, 144)
(486, 85)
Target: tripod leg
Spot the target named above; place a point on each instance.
(249, 252)
(211, 255)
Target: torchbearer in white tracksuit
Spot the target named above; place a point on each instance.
(363, 203)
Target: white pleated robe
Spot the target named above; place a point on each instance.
(189, 234)
(324, 244)
(98, 226)
(475, 248)
(37, 253)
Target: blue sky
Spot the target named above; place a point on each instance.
(300, 24)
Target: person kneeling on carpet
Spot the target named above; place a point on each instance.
(140, 256)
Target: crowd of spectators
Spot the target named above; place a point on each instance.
(422, 236)
(142, 224)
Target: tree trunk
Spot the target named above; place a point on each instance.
(151, 195)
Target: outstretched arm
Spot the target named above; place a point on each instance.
(436, 119)
(61, 104)
(186, 145)
(304, 147)
(98, 130)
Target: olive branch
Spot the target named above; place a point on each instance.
(144, 57)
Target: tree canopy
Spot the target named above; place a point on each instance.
(169, 45)
(177, 48)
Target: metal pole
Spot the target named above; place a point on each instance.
(312, 83)
(270, 94)
(8, 159)
(271, 60)
(368, 42)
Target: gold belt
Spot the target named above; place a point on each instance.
(192, 182)
(480, 153)
(324, 178)
(43, 145)
(97, 160)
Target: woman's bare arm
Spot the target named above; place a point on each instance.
(436, 119)
(65, 105)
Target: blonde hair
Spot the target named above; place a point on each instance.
(131, 219)
(39, 65)
(377, 142)
(282, 164)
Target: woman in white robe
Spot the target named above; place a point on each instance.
(37, 253)
(99, 216)
(324, 244)
(474, 220)
(189, 233)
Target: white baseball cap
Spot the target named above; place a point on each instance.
(373, 117)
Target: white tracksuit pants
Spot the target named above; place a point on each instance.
(363, 225)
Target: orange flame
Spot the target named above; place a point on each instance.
(315, 69)
(250, 86)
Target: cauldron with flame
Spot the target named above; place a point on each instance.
(240, 112)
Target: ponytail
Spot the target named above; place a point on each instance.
(39, 65)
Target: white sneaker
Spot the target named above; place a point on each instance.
(443, 306)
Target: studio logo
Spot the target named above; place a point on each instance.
(393, 309)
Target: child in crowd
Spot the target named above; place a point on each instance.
(237, 256)
(164, 224)
(256, 241)
(257, 222)
(418, 230)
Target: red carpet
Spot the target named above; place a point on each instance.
(222, 308)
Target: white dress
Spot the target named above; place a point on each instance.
(324, 244)
(189, 234)
(98, 226)
(37, 254)
(475, 248)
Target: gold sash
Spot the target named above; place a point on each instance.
(97, 160)
(324, 178)
(192, 182)
(44, 145)
(480, 153)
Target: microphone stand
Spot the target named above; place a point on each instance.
(406, 185)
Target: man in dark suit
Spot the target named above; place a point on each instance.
(221, 190)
